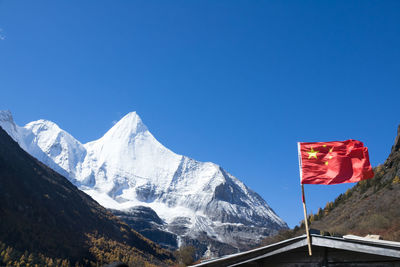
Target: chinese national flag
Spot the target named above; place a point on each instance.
(334, 162)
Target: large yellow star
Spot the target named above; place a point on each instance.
(312, 153)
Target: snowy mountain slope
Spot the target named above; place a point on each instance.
(127, 160)
(7, 123)
(29, 141)
(61, 147)
(128, 167)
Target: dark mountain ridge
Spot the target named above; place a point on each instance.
(146, 222)
(42, 212)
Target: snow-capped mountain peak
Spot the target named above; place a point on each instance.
(8, 124)
(5, 115)
(128, 127)
(60, 146)
(128, 167)
(132, 158)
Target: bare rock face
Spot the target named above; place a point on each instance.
(396, 145)
(146, 221)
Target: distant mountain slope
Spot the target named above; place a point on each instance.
(128, 167)
(43, 213)
(370, 207)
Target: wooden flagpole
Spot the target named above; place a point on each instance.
(304, 204)
(306, 221)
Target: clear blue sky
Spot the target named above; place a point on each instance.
(237, 83)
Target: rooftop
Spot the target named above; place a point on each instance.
(349, 250)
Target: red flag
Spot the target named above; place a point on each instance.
(334, 162)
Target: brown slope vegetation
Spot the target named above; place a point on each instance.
(370, 207)
(43, 214)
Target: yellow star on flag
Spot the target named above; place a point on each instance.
(312, 153)
(329, 156)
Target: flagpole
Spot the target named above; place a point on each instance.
(304, 203)
(306, 221)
